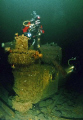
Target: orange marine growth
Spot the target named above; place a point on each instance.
(37, 55)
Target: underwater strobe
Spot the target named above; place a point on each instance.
(71, 67)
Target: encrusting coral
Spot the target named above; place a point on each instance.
(33, 81)
(21, 55)
(32, 84)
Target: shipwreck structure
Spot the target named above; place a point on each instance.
(36, 75)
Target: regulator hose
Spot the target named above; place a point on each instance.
(26, 22)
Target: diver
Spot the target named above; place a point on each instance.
(33, 30)
(35, 17)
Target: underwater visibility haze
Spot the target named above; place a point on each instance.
(61, 25)
(62, 21)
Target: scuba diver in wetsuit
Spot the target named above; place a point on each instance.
(33, 30)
